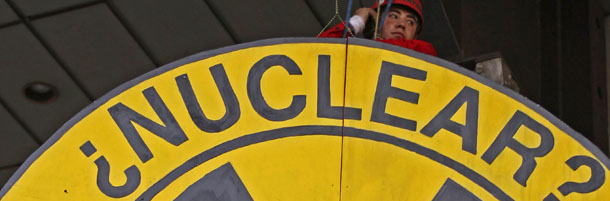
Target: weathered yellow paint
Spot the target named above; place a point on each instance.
(315, 166)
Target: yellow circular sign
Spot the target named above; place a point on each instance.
(312, 119)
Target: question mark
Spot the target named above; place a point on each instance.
(598, 176)
(103, 171)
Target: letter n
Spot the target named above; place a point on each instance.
(125, 117)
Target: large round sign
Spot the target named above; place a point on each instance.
(312, 119)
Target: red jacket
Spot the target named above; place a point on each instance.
(417, 45)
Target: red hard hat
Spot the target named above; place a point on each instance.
(413, 4)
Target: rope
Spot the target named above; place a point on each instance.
(377, 21)
(347, 16)
(385, 13)
(332, 19)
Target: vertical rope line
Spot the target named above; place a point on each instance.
(376, 20)
(347, 16)
(385, 13)
(343, 119)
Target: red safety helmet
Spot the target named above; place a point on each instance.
(413, 4)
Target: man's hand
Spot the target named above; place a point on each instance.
(365, 12)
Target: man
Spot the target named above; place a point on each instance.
(401, 27)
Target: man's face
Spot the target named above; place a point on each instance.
(399, 23)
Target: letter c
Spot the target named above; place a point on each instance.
(256, 96)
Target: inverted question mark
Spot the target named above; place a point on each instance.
(103, 173)
(598, 176)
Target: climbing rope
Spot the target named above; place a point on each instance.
(375, 36)
(385, 13)
(336, 16)
(347, 17)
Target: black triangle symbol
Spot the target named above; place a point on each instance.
(222, 184)
(453, 191)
